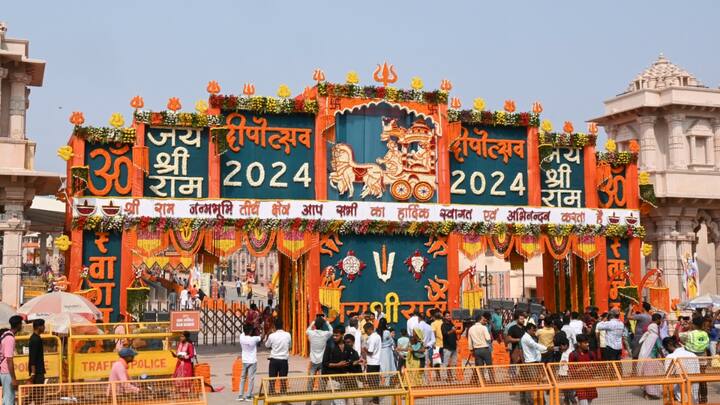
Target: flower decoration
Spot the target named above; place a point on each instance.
(478, 104)
(509, 106)
(201, 106)
(546, 126)
(77, 118)
(174, 104)
(349, 90)
(85, 273)
(213, 87)
(178, 119)
(646, 249)
(633, 146)
(416, 83)
(417, 264)
(137, 102)
(352, 77)
(351, 266)
(643, 178)
(283, 91)
(445, 85)
(62, 242)
(249, 89)
(65, 152)
(116, 120)
(105, 134)
(610, 145)
(319, 75)
(592, 128)
(568, 127)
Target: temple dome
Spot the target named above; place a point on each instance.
(662, 74)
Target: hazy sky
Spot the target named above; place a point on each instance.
(570, 55)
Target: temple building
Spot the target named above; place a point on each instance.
(676, 120)
(19, 181)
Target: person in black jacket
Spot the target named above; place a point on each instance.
(36, 358)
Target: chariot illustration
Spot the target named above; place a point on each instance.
(408, 167)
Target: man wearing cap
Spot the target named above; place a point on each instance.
(119, 372)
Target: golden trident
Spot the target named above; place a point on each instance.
(385, 74)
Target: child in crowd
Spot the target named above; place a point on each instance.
(582, 354)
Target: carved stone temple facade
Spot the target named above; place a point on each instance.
(19, 182)
(676, 120)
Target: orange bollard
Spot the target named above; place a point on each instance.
(236, 374)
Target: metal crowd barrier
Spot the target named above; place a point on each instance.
(389, 387)
(52, 346)
(702, 379)
(181, 391)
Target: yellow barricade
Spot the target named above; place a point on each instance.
(120, 328)
(328, 387)
(182, 391)
(702, 379)
(91, 357)
(52, 346)
(474, 385)
(618, 382)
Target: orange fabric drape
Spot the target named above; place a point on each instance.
(294, 244)
(222, 242)
(259, 242)
(557, 246)
(187, 242)
(586, 247)
(501, 245)
(472, 246)
(528, 246)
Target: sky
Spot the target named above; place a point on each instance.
(569, 55)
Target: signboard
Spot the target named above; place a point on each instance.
(90, 366)
(181, 321)
(268, 156)
(178, 162)
(488, 166)
(109, 169)
(102, 256)
(563, 178)
(617, 261)
(359, 210)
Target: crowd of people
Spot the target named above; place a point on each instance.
(366, 343)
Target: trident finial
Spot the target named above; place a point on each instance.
(385, 74)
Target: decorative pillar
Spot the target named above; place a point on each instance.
(686, 239)
(43, 249)
(678, 153)
(716, 138)
(3, 74)
(648, 143)
(667, 255)
(18, 104)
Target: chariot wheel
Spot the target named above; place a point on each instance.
(401, 190)
(423, 191)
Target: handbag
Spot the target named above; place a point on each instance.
(436, 358)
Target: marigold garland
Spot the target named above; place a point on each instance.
(495, 118)
(105, 134)
(563, 139)
(350, 90)
(616, 159)
(177, 119)
(364, 227)
(262, 104)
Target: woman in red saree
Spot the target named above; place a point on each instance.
(185, 354)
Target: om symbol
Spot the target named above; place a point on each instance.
(111, 178)
(613, 189)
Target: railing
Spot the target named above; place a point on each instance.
(702, 379)
(389, 387)
(184, 391)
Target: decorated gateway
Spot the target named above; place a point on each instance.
(374, 195)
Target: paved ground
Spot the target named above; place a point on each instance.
(221, 359)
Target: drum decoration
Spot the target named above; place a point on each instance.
(351, 266)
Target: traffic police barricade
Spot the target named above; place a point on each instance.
(702, 379)
(388, 387)
(499, 384)
(181, 391)
(90, 357)
(52, 351)
(619, 382)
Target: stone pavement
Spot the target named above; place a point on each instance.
(221, 359)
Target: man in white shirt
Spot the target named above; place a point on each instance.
(689, 362)
(184, 299)
(576, 324)
(569, 333)
(532, 350)
(428, 341)
(352, 329)
(318, 334)
(614, 330)
(478, 338)
(373, 346)
(279, 344)
(248, 344)
(412, 323)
